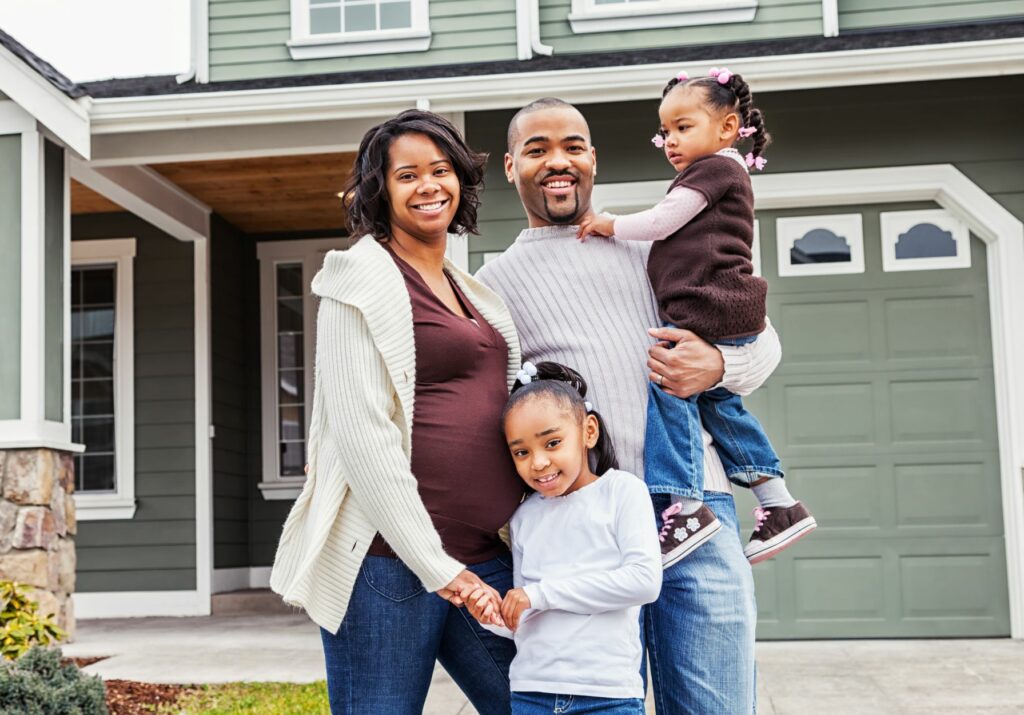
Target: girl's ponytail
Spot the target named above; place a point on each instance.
(563, 383)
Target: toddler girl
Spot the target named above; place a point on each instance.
(702, 275)
(585, 556)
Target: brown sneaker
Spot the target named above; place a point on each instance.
(681, 534)
(777, 529)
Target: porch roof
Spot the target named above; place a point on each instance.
(43, 68)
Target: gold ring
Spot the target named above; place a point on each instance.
(661, 380)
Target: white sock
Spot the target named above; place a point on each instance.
(773, 493)
(689, 506)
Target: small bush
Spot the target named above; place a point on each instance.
(21, 625)
(37, 684)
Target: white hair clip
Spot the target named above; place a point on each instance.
(589, 405)
(527, 373)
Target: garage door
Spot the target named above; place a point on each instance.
(883, 412)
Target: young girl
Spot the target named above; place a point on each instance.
(585, 556)
(702, 275)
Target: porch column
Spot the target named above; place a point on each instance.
(37, 523)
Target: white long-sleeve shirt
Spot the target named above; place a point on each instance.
(588, 561)
(588, 306)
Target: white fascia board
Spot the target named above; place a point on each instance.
(67, 118)
(149, 196)
(583, 86)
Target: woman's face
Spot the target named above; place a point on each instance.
(423, 189)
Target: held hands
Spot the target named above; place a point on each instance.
(486, 609)
(690, 367)
(465, 582)
(596, 225)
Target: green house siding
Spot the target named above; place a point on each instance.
(248, 39)
(774, 19)
(155, 550)
(883, 408)
(10, 277)
(873, 14)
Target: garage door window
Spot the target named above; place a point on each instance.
(924, 240)
(820, 245)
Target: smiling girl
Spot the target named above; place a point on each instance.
(701, 270)
(585, 556)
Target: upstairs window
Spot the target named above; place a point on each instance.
(345, 28)
(620, 15)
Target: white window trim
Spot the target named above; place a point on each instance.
(895, 223)
(121, 503)
(586, 16)
(306, 46)
(789, 229)
(274, 486)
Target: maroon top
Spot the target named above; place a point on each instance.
(702, 275)
(460, 459)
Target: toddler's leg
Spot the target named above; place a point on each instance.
(674, 470)
(750, 460)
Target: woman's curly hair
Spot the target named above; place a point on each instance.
(366, 192)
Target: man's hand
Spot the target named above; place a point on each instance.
(483, 606)
(466, 581)
(691, 367)
(597, 225)
(516, 601)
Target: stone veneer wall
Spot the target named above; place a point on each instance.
(37, 528)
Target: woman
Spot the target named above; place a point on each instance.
(409, 478)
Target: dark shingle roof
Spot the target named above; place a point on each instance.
(144, 86)
(42, 67)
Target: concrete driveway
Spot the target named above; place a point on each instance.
(919, 677)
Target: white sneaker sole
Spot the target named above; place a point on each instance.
(764, 550)
(690, 545)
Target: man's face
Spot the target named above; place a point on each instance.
(553, 165)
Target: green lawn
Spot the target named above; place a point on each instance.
(254, 699)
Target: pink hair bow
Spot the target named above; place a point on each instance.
(721, 74)
(658, 141)
(682, 76)
(747, 131)
(756, 162)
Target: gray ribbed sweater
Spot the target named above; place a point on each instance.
(589, 305)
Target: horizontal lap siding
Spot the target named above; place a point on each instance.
(773, 19)
(248, 39)
(155, 550)
(865, 14)
(230, 397)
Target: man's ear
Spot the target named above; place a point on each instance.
(593, 155)
(509, 175)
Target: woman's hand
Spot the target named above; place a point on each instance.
(691, 367)
(597, 225)
(465, 582)
(483, 606)
(516, 601)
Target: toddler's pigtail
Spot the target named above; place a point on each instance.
(751, 116)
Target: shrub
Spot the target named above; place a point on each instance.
(21, 625)
(37, 684)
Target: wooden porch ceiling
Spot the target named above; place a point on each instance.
(262, 195)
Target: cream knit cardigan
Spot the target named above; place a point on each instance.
(360, 434)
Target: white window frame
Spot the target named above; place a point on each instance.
(119, 504)
(894, 223)
(791, 228)
(306, 46)
(587, 16)
(310, 254)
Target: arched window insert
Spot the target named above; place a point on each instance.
(924, 240)
(820, 245)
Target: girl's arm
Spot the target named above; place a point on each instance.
(680, 206)
(635, 582)
(359, 402)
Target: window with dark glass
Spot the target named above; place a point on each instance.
(820, 246)
(291, 403)
(93, 310)
(925, 240)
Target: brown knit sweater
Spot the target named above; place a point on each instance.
(702, 275)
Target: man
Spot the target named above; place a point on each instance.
(590, 306)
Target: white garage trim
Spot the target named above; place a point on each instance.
(1003, 235)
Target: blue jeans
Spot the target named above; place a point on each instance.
(674, 446)
(699, 634)
(546, 704)
(381, 659)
